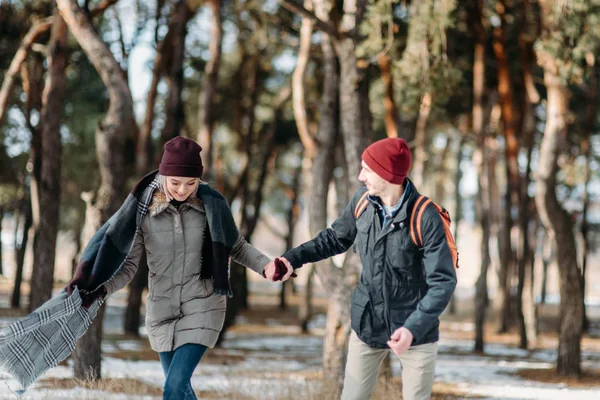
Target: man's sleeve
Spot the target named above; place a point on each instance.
(440, 276)
(329, 242)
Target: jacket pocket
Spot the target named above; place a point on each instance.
(362, 237)
(151, 284)
(360, 316)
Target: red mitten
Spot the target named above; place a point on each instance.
(280, 270)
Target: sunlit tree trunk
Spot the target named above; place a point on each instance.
(557, 221)
(117, 123)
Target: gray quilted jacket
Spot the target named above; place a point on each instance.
(181, 308)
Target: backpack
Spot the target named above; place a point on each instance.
(415, 222)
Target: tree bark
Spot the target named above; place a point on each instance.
(292, 219)
(305, 312)
(391, 117)
(505, 91)
(21, 247)
(483, 170)
(590, 124)
(132, 318)
(299, 106)
(174, 110)
(53, 103)
(110, 136)
(322, 173)
(143, 151)
(1, 221)
(530, 97)
(457, 204)
(18, 60)
(211, 73)
(354, 123)
(558, 222)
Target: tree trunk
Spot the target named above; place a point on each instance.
(132, 318)
(505, 91)
(525, 299)
(483, 170)
(547, 258)
(590, 125)
(87, 354)
(559, 223)
(143, 151)
(174, 110)
(1, 220)
(352, 80)
(211, 73)
(530, 97)
(292, 219)
(110, 136)
(306, 136)
(322, 173)
(305, 312)
(391, 116)
(53, 103)
(457, 204)
(354, 120)
(21, 248)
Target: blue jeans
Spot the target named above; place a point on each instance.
(178, 366)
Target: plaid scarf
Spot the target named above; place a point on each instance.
(38, 342)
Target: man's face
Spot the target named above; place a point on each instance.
(181, 188)
(374, 183)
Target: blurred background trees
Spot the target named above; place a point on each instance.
(497, 98)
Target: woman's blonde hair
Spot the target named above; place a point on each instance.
(162, 185)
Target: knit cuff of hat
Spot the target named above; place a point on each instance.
(185, 171)
(380, 170)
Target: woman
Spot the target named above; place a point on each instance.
(185, 307)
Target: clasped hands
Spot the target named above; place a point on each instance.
(279, 269)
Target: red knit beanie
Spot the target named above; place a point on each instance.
(181, 158)
(389, 158)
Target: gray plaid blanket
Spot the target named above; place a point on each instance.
(38, 342)
(47, 336)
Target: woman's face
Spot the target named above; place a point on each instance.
(181, 188)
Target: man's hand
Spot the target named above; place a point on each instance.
(279, 269)
(400, 341)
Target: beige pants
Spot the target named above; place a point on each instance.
(362, 368)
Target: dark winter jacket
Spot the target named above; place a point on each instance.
(400, 284)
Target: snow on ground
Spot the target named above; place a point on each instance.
(269, 366)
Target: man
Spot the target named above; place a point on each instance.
(403, 287)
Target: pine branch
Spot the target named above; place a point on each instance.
(19, 58)
(326, 26)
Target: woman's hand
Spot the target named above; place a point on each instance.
(279, 269)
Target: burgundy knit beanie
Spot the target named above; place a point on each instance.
(181, 158)
(389, 158)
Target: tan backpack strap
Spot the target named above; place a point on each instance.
(362, 203)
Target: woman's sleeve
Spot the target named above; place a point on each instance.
(129, 268)
(249, 256)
